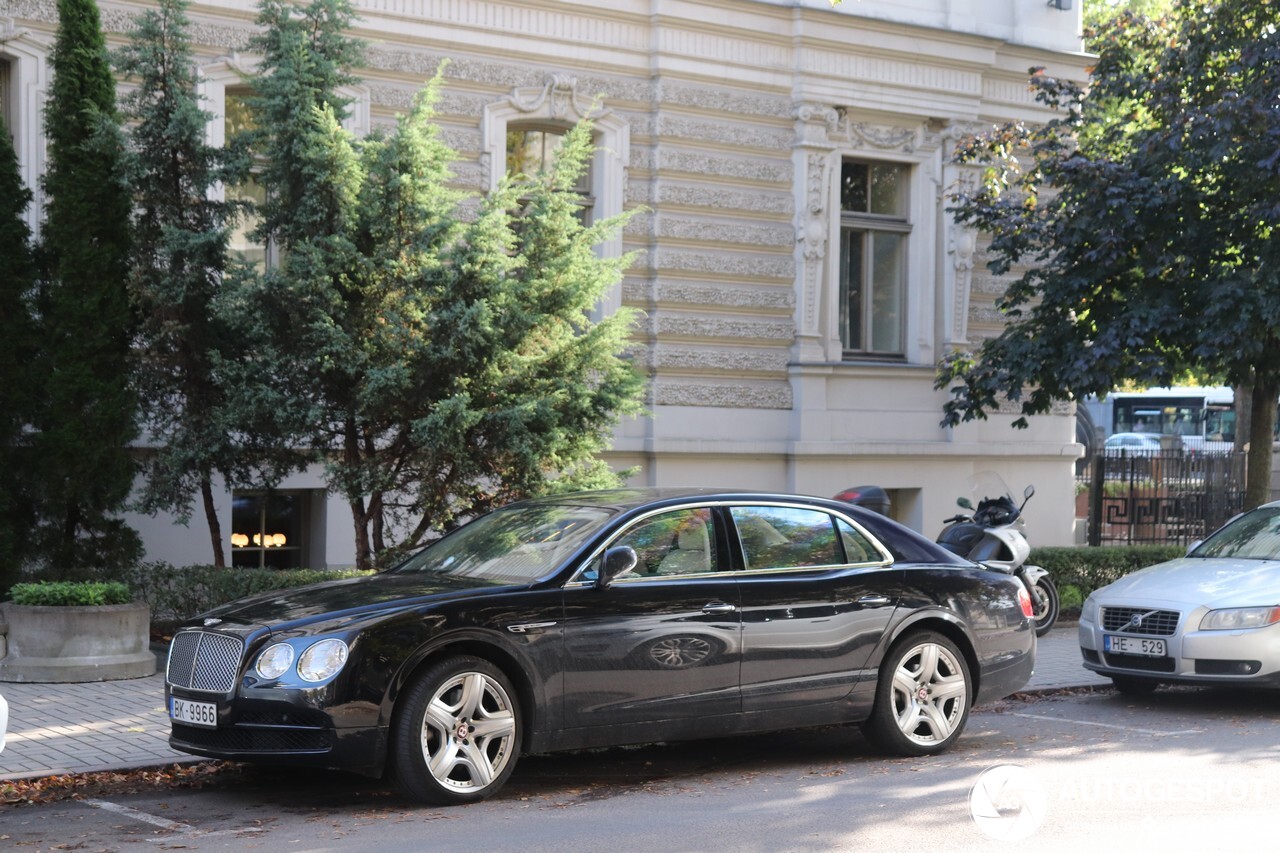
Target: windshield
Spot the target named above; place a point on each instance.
(986, 485)
(514, 545)
(1252, 536)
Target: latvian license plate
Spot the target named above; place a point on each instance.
(1134, 646)
(193, 713)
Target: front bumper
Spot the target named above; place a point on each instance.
(282, 729)
(1228, 658)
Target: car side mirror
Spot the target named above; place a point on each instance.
(617, 561)
(964, 503)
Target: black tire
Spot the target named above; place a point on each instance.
(1047, 614)
(922, 697)
(457, 734)
(1130, 686)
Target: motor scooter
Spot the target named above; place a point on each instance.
(994, 534)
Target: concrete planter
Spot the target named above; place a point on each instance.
(72, 644)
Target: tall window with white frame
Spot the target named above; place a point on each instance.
(875, 225)
(237, 119)
(534, 148)
(6, 97)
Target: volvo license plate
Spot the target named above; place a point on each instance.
(193, 713)
(1134, 646)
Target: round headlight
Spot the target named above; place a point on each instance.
(322, 660)
(275, 661)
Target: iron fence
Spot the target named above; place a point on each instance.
(1174, 496)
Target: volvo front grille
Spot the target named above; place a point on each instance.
(1140, 620)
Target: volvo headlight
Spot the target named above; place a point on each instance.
(322, 660)
(1239, 618)
(275, 661)
(1089, 612)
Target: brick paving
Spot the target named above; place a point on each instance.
(56, 729)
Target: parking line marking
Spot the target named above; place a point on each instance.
(183, 829)
(162, 822)
(1152, 732)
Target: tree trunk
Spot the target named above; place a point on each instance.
(360, 520)
(1244, 414)
(215, 529)
(359, 514)
(1266, 390)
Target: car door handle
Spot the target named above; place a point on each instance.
(718, 607)
(873, 600)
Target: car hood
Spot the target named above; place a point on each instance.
(1194, 581)
(341, 600)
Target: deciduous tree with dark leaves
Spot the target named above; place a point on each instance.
(1144, 216)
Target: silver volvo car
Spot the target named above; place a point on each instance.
(1211, 617)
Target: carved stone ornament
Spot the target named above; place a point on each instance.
(884, 137)
(8, 30)
(962, 245)
(558, 98)
(244, 66)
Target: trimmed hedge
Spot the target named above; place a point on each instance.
(178, 593)
(70, 593)
(1088, 569)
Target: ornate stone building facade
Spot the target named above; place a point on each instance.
(798, 271)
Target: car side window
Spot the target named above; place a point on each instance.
(775, 537)
(857, 547)
(681, 542)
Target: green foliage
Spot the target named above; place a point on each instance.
(1070, 598)
(444, 358)
(17, 383)
(176, 594)
(189, 347)
(86, 417)
(71, 593)
(1099, 13)
(1144, 216)
(306, 57)
(1088, 569)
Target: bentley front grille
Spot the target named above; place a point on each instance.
(202, 660)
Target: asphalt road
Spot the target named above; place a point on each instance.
(1184, 769)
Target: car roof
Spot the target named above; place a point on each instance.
(629, 498)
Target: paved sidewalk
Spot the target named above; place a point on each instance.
(56, 729)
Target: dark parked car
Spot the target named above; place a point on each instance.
(599, 619)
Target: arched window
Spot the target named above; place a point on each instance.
(237, 119)
(528, 126)
(532, 149)
(6, 97)
(24, 73)
(224, 88)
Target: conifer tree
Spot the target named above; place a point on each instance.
(447, 360)
(188, 350)
(87, 414)
(17, 341)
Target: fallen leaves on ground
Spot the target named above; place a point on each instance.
(48, 789)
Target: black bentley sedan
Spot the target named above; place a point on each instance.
(605, 618)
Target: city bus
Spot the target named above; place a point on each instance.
(1203, 417)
